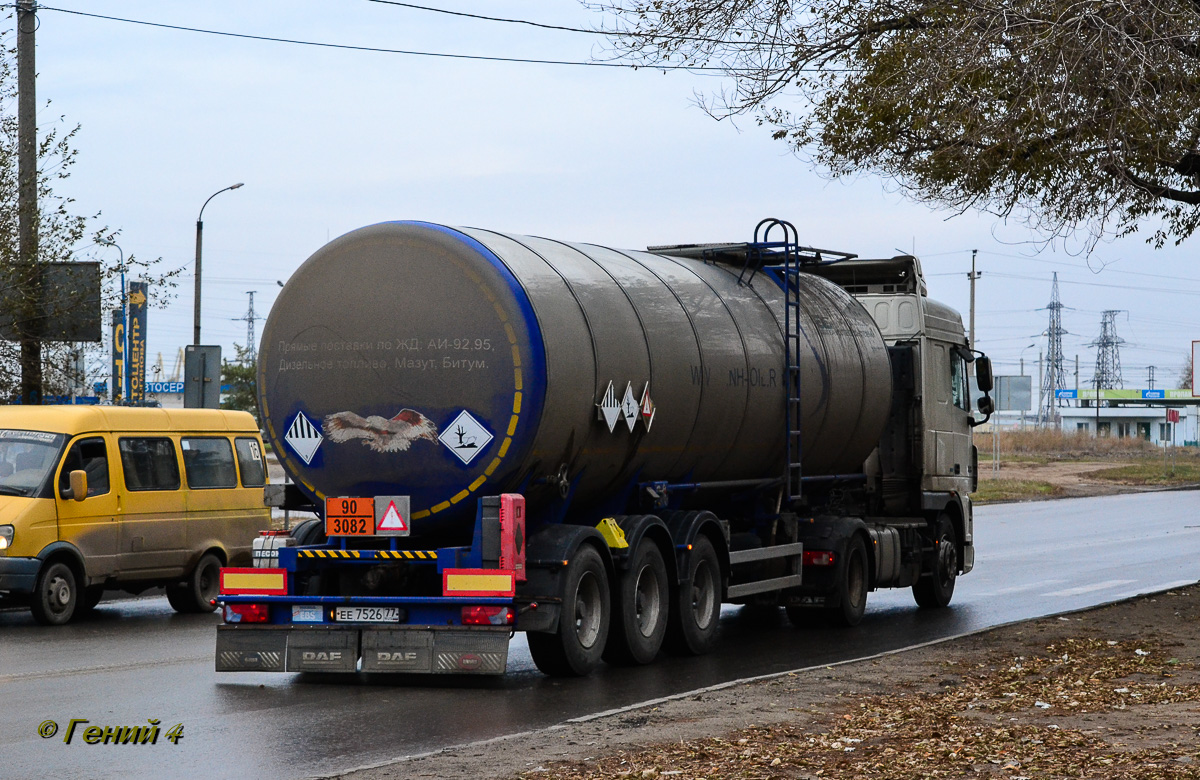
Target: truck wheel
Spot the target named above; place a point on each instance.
(935, 588)
(851, 586)
(694, 616)
(575, 649)
(639, 621)
(202, 586)
(55, 595)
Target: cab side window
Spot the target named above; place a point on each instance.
(149, 463)
(250, 463)
(958, 382)
(91, 457)
(208, 462)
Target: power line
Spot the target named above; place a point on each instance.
(407, 52)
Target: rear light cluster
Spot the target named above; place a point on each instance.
(488, 616)
(818, 557)
(245, 613)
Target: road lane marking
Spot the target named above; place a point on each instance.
(1089, 588)
(20, 676)
(1019, 588)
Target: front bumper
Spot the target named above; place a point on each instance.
(19, 575)
(349, 649)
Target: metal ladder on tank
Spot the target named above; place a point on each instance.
(793, 475)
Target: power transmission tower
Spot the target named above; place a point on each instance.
(1108, 354)
(249, 317)
(1054, 378)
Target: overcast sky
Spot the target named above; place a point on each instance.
(329, 140)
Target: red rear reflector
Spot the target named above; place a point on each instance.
(818, 558)
(274, 533)
(487, 616)
(245, 613)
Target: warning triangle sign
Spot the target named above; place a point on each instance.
(391, 520)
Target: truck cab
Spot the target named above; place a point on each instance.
(927, 445)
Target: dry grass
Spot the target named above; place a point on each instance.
(1058, 445)
(1013, 490)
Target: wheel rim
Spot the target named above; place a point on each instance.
(58, 594)
(947, 560)
(703, 595)
(588, 606)
(647, 601)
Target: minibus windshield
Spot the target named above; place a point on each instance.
(26, 460)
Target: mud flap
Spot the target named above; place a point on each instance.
(239, 650)
(322, 650)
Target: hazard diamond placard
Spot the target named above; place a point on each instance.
(392, 516)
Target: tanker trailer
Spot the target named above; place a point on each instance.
(596, 447)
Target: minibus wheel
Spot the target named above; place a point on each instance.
(55, 595)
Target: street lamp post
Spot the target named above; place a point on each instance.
(124, 320)
(1031, 346)
(199, 237)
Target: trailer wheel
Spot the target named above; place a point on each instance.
(55, 596)
(575, 649)
(852, 586)
(639, 622)
(935, 588)
(202, 586)
(697, 610)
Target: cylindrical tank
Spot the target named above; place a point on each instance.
(448, 363)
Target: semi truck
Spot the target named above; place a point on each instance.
(598, 448)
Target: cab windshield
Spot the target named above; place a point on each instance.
(26, 460)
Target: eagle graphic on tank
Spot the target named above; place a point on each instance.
(380, 433)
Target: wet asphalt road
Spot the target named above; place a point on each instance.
(135, 659)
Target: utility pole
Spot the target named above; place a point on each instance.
(973, 276)
(27, 205)
(1150, 379)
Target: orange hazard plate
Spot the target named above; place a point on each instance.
(348, 516)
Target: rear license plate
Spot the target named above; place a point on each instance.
(367, 614)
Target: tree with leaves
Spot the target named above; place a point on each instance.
(64, 236)
(241, 377)
(1078, 115)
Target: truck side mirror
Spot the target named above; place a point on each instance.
(986, 405)
(983, 374)
(78, 489)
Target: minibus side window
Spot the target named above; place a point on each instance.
(91, 457)
(149, 463)
(250, 462)
(208, 462)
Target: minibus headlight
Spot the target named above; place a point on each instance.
(6, 536)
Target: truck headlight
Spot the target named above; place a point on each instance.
(6, 536)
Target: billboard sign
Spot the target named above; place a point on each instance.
(118, 354)
(137, 342)
(58, 302)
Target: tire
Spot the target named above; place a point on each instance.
(90, 598)
(696, 611)
(936, 587)
(195, 596)
(576, 648)
(309, 533)
(55, 596)
(639, 621)
(852, 586)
